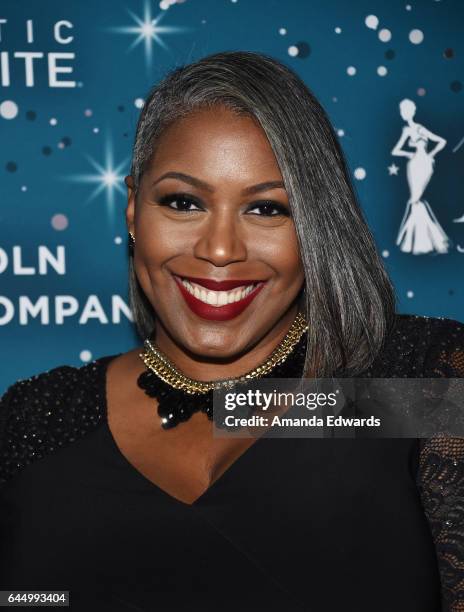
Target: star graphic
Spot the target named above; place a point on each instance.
(393, 169)
(108, 177)
(148, 31)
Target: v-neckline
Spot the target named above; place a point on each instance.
(104, 362)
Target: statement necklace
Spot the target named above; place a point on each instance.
(179, 396)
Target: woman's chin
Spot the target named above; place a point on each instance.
(226, 348)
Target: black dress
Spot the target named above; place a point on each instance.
(293, 525)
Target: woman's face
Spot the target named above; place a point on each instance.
(407, 111)
(211, 206)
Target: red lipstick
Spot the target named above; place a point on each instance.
(218, 313)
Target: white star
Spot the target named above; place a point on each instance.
(393, 169)
(147, 30)
(108, 177)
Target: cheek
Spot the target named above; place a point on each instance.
(281, 252)
(149, 258)
(154, 246)
(293, 253)
(158, 240)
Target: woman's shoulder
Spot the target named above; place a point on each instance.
(50, 408)
(423, 346)
(414, 323)
(60, 380)
(445, 351)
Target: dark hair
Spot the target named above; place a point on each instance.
(348, 300)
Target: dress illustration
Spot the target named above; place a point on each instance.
(420, 232)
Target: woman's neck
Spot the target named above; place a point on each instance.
(204, 368)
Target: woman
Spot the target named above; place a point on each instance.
(420, 232)
(114, 486)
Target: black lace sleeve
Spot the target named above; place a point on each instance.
(441, 471)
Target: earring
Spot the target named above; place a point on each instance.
(132, 239)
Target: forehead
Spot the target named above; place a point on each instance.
(210, 139)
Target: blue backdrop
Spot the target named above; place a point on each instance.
(73, 77)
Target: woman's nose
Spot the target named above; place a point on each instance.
(221, 241)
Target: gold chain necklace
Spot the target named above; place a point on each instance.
(159, 363)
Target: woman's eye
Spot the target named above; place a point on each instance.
(180, 202)
(183, 202)
(266, 209)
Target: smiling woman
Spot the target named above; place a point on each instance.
(249, 259)
(222, 214)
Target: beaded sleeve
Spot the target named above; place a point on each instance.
(45, 412)
(441, 470)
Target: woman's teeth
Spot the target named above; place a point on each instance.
(217, 298)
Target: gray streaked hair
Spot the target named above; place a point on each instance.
(348, 299)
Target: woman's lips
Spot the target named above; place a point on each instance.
(217, 313)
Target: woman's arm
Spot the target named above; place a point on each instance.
(441, 485)
(441, 476)
(6, 402)
(441, 142)
(397, 150)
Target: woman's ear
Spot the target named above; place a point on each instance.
(130, 210)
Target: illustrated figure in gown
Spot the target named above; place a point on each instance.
(420, 231)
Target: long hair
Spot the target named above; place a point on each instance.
(348, 299)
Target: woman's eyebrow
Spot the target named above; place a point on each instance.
(191, 180)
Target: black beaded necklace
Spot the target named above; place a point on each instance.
(176, 405)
